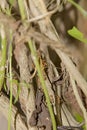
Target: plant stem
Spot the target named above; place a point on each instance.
(10, 74)
(3, 45)
(33, 51)
(22, 9)
(84, 13)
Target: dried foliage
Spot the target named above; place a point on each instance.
(66, 87)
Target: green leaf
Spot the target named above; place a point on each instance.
(74, 32)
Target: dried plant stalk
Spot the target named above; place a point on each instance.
(16, 121)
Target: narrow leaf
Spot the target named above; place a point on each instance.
(74, 32)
